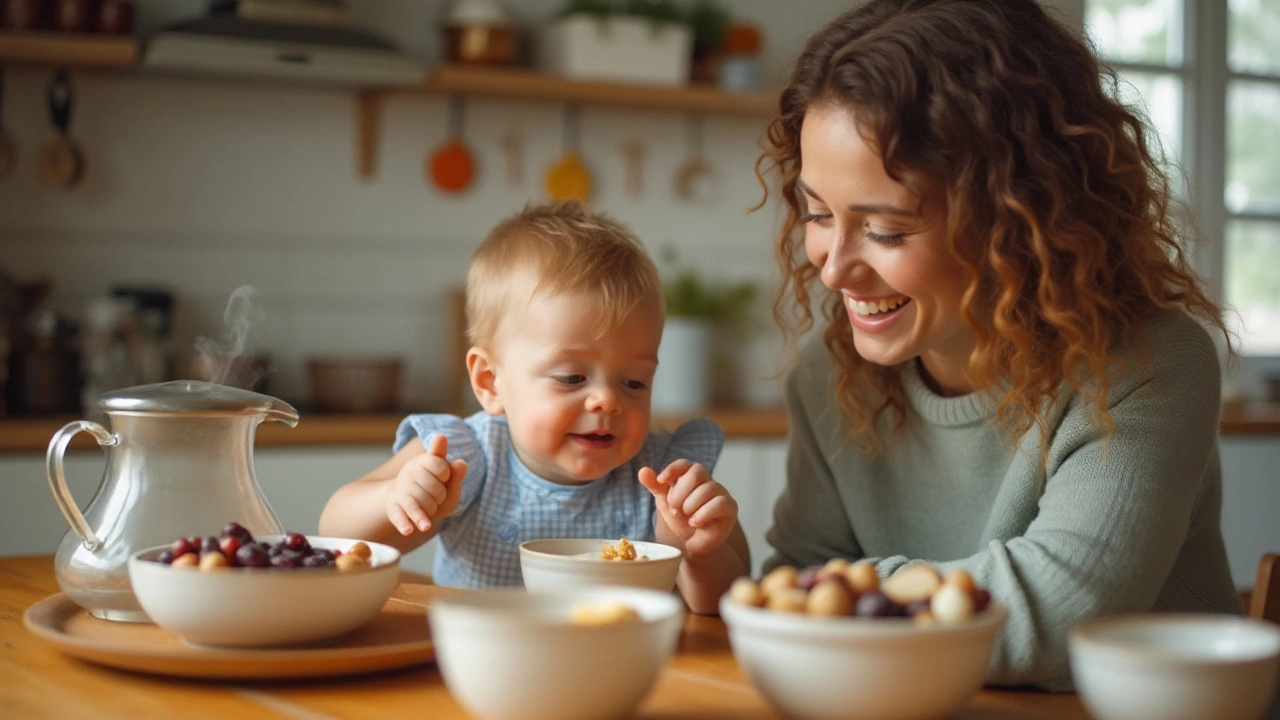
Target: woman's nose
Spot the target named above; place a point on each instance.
(842, 264)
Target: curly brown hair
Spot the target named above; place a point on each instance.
(1059, 213)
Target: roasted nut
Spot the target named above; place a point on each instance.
(780, 578)
(602, 613)
(951, 605)
(790, 599)
(961, 579)
(862, 577)
(189, 560)
(212, 560)
(830, 598)
(744, 590)
(348, 561)
(911, 583)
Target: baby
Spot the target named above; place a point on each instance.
(564, 315)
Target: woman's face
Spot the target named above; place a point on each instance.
(884, 252)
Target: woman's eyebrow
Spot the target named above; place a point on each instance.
(867, 208)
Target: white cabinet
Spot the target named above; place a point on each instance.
(754, 472)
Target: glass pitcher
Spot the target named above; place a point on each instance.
(179, 464)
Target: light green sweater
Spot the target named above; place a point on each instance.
(1129, 524)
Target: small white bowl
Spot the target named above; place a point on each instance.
(570, 562)
(515, 655)
(264, 607)
(1158, 666)
(835, 668)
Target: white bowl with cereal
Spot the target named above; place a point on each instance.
(578, 654)
(563, 563)
(273, 598)
(832, 643)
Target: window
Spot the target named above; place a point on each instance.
(1208, 74)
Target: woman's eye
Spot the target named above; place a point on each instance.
(570, 379)
(878, 238)
(816, 218)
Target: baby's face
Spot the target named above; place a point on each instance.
(576, 400)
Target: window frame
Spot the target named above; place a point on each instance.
(1205, 75)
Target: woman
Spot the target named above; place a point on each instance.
(1011, 378)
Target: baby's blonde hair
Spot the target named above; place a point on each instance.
(557, 248)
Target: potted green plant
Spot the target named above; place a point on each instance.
(696, 309)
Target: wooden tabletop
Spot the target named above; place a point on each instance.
(701, 681)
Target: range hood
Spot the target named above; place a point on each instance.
(230, 46)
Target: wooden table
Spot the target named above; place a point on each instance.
(701, 681)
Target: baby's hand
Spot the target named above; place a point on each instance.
(426, 489)
(697, 509)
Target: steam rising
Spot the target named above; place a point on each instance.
(226, 361)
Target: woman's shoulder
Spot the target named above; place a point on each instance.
(1170, 345)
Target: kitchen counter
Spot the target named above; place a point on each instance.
(19, 435)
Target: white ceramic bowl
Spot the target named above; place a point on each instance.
(1158, 666)
(515, 655)
(868, 668)
(263, 607)
(569, 563)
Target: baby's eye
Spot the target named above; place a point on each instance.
(570, 379)
(634, 384)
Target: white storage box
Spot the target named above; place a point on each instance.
(619, 48)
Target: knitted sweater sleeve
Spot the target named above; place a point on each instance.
(1115, 511)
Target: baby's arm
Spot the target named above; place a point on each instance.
(399, 502)
(697, 514)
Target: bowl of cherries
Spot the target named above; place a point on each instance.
(834, 642)
(237, 590)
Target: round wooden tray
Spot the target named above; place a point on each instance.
(398, 637)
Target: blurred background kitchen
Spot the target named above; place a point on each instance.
(284, 194)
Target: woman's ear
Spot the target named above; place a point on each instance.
(483, 373)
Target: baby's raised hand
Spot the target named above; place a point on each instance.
(698, 510)
(426, 489)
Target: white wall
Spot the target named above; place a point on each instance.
(205, 186)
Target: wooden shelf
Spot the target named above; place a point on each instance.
(45, 49)
(523, 84)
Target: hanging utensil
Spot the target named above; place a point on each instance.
(513, 148)
(61, 161)
(8, 150)
(633, 155)
(452, 167)
(568, 178)
(695, 180)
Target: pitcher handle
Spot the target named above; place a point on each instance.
(58, 478)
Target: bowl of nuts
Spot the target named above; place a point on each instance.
(576, 562)
(833, 642)
(576, 654)
(235, 590)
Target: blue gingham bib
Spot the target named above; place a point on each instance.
(504, 504)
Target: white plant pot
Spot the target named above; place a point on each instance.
(620, 49)
(682, 384)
